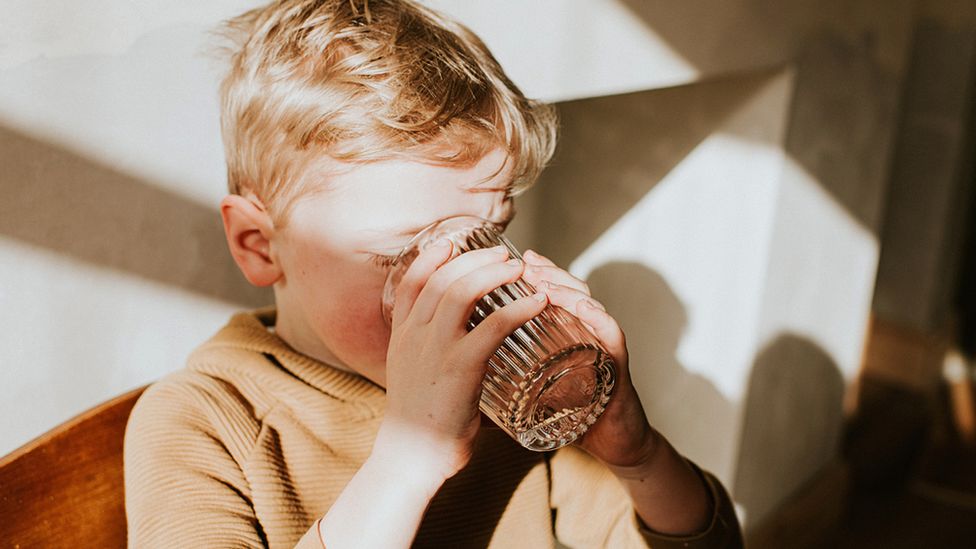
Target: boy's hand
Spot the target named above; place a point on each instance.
(434, 366)
(621, 437)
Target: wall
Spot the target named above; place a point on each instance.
(114, 265)
(925, 209)
(731, 226)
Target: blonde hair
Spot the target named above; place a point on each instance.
(364, 81)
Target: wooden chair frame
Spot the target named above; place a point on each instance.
(65, 488)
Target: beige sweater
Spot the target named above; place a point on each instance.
(252, 442)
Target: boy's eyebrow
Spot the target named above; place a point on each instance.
(487, 189)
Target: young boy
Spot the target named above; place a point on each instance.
(350, 125)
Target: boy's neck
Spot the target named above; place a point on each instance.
(299, 338)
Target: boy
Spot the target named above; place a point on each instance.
(350, 125)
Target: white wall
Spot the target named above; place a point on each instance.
(731, 225)
(112, 265)
(702, 236)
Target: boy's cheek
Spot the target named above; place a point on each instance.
(356, 325)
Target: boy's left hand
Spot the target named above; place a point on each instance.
(622, 436)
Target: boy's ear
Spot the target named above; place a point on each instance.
(248, 229)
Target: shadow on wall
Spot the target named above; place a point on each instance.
(792, 424)
(698, 31)
(685, 407)
(847, 89)
(614, 150)
(58, 200)
(794, 404)
(842, 123)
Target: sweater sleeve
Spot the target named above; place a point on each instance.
(183, 487)
(592, 509)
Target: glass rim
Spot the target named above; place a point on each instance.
(420, 234)
(397, 268)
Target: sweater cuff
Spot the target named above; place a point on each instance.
(722, 530)
(312, 538)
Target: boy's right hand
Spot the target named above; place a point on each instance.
(434, 366)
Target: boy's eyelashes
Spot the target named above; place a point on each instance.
(384, 261)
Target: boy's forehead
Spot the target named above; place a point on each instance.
(405, 181)
(399, 218)
(399, 197)
(491, 172)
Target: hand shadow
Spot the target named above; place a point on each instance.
(684, 406)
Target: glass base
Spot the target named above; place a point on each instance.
(563, 396)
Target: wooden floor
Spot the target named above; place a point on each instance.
(909, 518)
(927, 498)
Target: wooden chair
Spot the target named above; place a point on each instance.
(64, 488)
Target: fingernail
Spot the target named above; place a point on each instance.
(589, 304)
(513, 262)
(499, 249)
(539, 296)
(442, 243)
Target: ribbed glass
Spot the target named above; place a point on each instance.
(551, 378)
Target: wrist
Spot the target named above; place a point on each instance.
(669, 495)
(643, 461)
(399, 448)
(411, 477)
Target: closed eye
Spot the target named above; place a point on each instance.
(383, 261)
(386, 261)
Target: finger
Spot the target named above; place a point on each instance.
(432, 292)
(606, 330)
(487, 336)
(416, 276)
(535, 258)
(535, 274)
(458, 301)
(567, 297)
(594, 317)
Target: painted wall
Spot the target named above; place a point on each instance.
(734, 192)
(731, 225)
(930, 180)
(112, 255)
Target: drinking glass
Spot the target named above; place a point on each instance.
(551, 378)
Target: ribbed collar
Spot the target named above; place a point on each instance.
(249, 331)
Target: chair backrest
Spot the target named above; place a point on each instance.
(65, 488)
